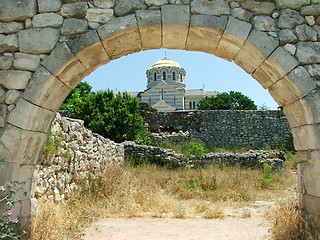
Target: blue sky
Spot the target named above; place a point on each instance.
(215, 74)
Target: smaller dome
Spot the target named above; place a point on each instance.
(166, 63)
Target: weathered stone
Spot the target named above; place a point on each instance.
(289, 19)
(264, 23)
(275, 14)
(306, 137)
(290, 48)
(89, 50)
(241, 14)
(31, 121)
(317, 30)
(313, 9)
(149, 22)
(11, 107)
(258, 7)
(207, 7)
(72, 26)
(74, 10)
(233, 38)
(93, 25)
(46, 90)
(156, 2)
(47, 20)
(8, 43)
(305, 33)
(38, 40)
(2, 98)
(175, 20)
(310, 20)
(99, 15)
(28, 23)
(287, 36)
(308, 171)
(292, 87)
(308, 52)
(49, 5)
(234, 4)
(17, 10)
(313, 70)
(6, 62)
(299, 113)
(26, 61)
(12, 96)
(205, 32)
(124, 7)
(10, 27)
(318, 20)
(293, 4)
(279, 64)
(11, 79)
(255, 50)
(104, 3)
(63, 64)
(180, 2)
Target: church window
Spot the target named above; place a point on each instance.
(181, 77)
(164, 75)
(155, 76)
(173, 76)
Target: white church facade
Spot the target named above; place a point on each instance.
(166, 88)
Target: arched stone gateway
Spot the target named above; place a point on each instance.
(48, 46)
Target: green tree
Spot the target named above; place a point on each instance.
(114, 116)
(227, 101)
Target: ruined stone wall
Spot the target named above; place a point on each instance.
(223, 128)
(72, 154)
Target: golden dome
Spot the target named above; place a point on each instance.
(166, 63)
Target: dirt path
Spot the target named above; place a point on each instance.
(254, 228)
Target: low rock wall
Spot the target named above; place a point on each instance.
(73, 154)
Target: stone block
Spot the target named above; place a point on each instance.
(6, 62)
(156, 2)
(305, 33)
(306, 137)
(205, 33)
(310, 175)
(38, 40)
(290, 48)
(104, 3)
(313, 10)
(74, 10)
(287, 36)
(10, 27)
(289, 19)
(208, 7)
(259, 7)
(308, 52)
(124, 7)
(175, 25)
(27, 62)
(73, 26)
(89, 50)
(47, 20)
(8, 43)
(241, 14)
(21, 146)
(34, 118)
(292, 87)
(17, 10)
(12, 79)
(233, 38)
(276, 66)
(49, 5)
(120, 36)
(313, 70)
(293, 4)
(99, 15)
(264, 23)
(255, 50)
(12, 96)
(299, 113)
(63, 64)
(149, 22)
(45, 90)
(313, 100)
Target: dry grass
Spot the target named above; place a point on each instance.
(151, 191)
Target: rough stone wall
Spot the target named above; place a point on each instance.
(77, 153)
(224, 128)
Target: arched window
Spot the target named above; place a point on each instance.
(181, 77)
(173, 76)
(155, 77)
(164, 75)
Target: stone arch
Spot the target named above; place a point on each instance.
(82, 38)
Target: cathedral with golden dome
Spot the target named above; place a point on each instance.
(166, 88)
